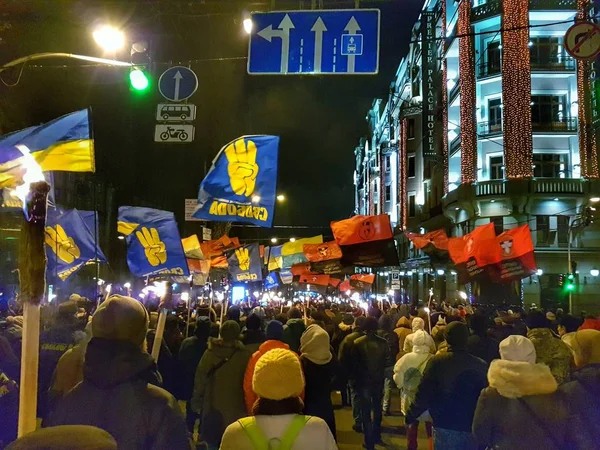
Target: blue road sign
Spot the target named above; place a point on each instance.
(337, 42)
(177, 83)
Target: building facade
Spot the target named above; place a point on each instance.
(489, 119)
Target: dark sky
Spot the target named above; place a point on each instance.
(319, 119)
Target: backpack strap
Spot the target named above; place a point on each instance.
(254, 433)
(292, 432)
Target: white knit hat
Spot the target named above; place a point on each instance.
(518, 348)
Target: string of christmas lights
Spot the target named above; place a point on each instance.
(444, 105)
(402, 162)
(516, 90)
(382, 183)
(466, 70)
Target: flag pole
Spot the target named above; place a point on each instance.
(165, 305)
(32, 266)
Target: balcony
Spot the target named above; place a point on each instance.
(453, 93)
(491, 8)
(489, 128)
(489, 69)
(455, 144)
(563, 125)
(558, 63)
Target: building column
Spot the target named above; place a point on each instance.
(402, 174)
(466, 68)
(516, 90)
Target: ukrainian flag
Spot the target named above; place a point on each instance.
(63, 144)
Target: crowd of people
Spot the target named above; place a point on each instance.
(476, 378)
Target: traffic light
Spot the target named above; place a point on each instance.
(570, 283)
(139, 79)
(588, 215)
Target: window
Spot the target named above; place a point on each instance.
(543, 230)
(388, 192)
(411, 166)
(498, 224)
(495, 115)
(388, 163)
(493, 57)
(546, 51)
(553, 165)
(496, 167)
(412, 205)
(562, 223)
(546, 109)
(410, 129)
(375, 194)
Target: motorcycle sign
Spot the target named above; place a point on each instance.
(174, 133)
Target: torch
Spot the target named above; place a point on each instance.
(166, 303)
(32, 267)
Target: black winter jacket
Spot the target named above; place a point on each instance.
(371, 354)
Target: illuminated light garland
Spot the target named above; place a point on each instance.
(516, 90)
(403, 173)
(381, 183)
(588, 150)
(466, 69)
(444, 104)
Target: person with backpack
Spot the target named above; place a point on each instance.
(408, 372)
(277, 420)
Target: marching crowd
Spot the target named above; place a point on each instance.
(475, 379)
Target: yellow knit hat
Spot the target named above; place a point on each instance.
(278, 375)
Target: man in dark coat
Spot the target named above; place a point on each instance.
(293, 329)
(449, 389)
(190, 354)
(253, 335)
(371, 353)
(386, 331)
(117, 394)
(345, 356)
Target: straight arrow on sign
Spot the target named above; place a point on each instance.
(318, 28)
(177, 77)
(352, 28)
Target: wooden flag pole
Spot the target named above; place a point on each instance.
(165, 305)
(32, 266)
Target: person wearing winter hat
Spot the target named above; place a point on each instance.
(253, 335)
(549, 349)
(277, 418)
(371, 355)
(584, 391)
(66, 437)
(408, 372)
(520, 408)
(316, 358)
(403, 329)
(190, 354)
(118, 375)
(293, 329)
(274, 340)
(218, 395)
(418, 324)
(451, 408)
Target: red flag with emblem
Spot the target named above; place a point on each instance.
(436, 239)
(361, 229)
(322, 252)
(345, 286)
(316, 279)
(517, 258)
(473, 252)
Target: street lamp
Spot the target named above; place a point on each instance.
(248, 25)
(274, 240)
(595, 272)
(109, 38)
(255, 198)
(281, 198)
(292, 239)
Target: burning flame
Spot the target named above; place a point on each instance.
(32, 174)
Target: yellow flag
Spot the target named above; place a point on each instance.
(291, 248)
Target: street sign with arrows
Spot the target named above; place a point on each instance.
(340, 42)
(178, 83)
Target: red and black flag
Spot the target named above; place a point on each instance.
(362, 282)
(473, 253)
(517, 258)
(313, 282)
(324, 258)
(366, 241)
(429, 242)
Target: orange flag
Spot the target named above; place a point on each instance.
(322, 252)
(517, 255)
(318, 280)
(368, 278)
(437, 238)
(361, 229)
(473, 252)
(300, 268)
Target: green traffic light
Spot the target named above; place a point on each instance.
(570, 287)
(138, 79)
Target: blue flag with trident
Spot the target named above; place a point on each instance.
(153, 242)
(241, 184)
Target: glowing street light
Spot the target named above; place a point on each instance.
(281, 198)
(292, 239)
(127, 285)
(109, 38)
(248, 25)
(595, 272)
(255, 198)
(274, 240)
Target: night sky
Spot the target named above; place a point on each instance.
(319, 119)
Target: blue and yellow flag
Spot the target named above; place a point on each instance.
(63, 144)
(245, 263)
(69, 243)
(293, 252)
(153, 242)
(272, 280)
(241, 184)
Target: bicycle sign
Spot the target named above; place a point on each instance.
(174, 133)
